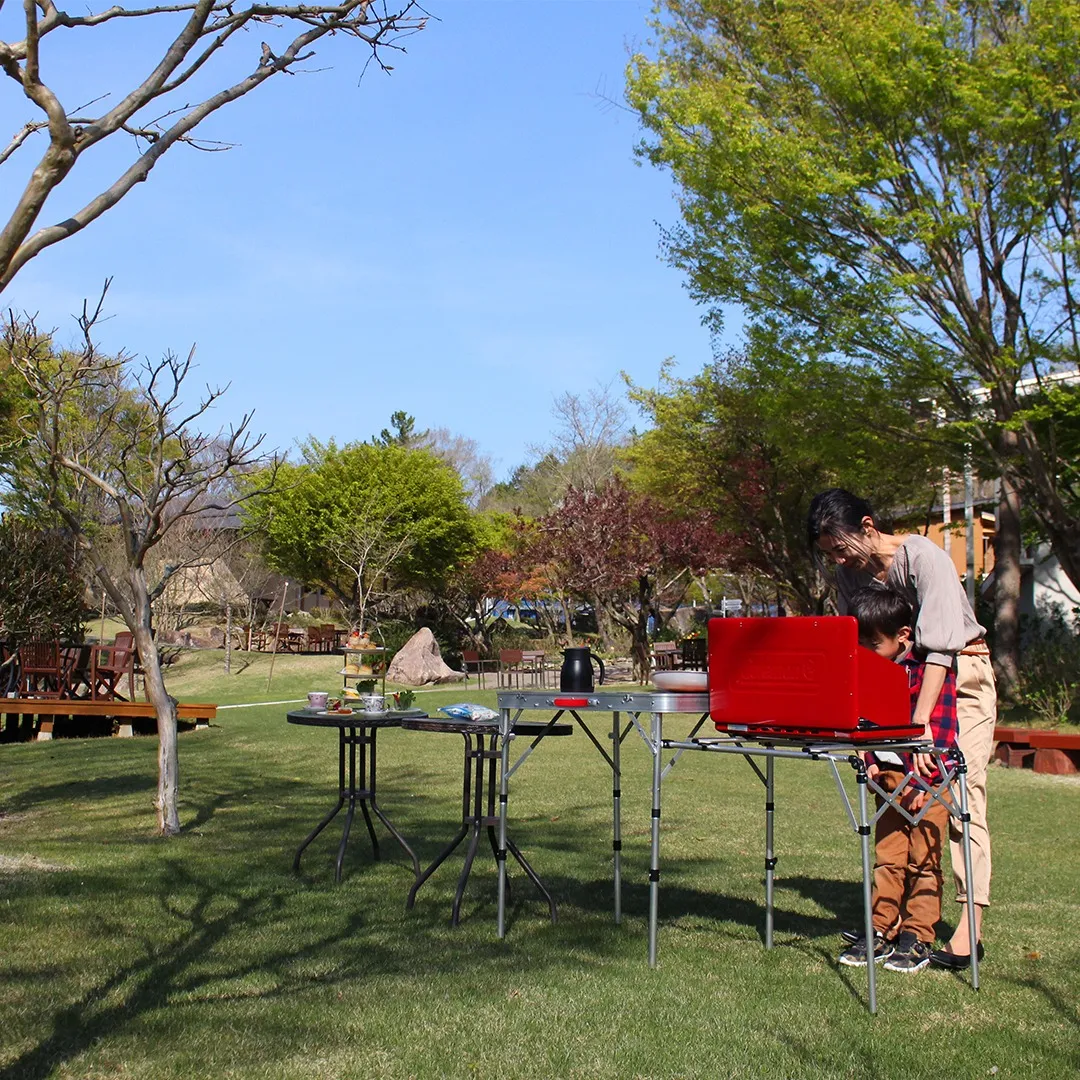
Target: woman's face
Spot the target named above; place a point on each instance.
(852, 550)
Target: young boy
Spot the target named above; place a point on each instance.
(907, 869)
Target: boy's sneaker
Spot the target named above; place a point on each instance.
(909, 954)
(855, 954)
(851, 936)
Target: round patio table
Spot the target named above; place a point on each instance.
(357, 731)
(479, 786)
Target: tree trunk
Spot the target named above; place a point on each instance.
(603, 626)
(1007, 588)
(228, 638)
(168, 814)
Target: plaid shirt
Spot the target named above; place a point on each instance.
(944, 726)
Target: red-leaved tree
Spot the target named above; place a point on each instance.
(626, 555)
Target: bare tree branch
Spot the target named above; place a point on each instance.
(208, 32)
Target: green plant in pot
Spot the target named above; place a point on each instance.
(403, 699)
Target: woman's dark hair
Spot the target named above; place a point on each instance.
(881, 612)
(835, 511)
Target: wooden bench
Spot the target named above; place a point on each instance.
(1043, 751)
(45, 709)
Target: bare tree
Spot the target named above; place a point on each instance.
(369, 546)
(140, 465)
(590, 429)
(211, 41)
(465, 457)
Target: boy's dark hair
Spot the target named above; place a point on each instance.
(880, 612)
(835, 511)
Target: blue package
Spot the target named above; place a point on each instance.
(467, 711)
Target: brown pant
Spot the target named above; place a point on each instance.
(976, 712)
(907, 866)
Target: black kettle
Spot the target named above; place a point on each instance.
(576, 674)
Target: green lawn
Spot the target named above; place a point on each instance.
(123, 955)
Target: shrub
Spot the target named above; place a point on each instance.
(42, 593)
(1050, 668)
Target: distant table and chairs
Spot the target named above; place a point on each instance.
(521, 667)
(480, 666)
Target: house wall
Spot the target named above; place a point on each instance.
(1047, 586)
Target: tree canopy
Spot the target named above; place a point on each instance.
(752, 438)
(893, 181)
(405, 508)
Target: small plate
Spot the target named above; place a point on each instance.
(682, 681)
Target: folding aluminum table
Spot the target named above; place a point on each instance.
(646, 711)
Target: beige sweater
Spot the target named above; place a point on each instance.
(924, 575)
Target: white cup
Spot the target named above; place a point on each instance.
(317, 699)
(373, 702)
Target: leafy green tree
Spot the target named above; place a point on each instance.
(893, 181)
(42, 589)
(364, 520)
(750, 440)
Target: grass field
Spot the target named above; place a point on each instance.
(124, 955)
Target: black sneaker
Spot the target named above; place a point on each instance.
(909, 954)
(855, 954)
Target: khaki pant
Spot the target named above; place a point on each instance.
(907, 867)
(976, 711)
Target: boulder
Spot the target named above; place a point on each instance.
(419, 662)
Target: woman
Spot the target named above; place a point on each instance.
(841, 528)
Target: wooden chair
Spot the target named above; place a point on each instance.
(474, 663)
(694, 652)
(533, 666)
(510, 665)
(9, 668)
(41, 670)
(280, 632)
(77, 661)
(666, 656)
(109, 664)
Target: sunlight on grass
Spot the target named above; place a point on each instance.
(205, 956)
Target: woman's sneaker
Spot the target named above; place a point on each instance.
(909, 954)
(856, 953)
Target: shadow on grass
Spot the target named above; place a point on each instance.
(82, 790)
(185, 967)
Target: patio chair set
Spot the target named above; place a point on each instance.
(511, 668)
(686, 655)
(283, 638)
(54, 670)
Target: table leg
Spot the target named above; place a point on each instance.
(504, 788)
(474, 752)
(965, 843)
(390, 827)
(351, 811)
(466, 799)
(362, 741)
(654, 855)
(333, 813)
(770, 856)
(514, 850)
(868, 915)
(616, 795)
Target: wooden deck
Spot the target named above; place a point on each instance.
(46, 709)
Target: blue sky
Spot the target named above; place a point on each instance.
(464, 239)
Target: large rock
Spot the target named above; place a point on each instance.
(419, 662)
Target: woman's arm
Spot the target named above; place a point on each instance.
(932, 681)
